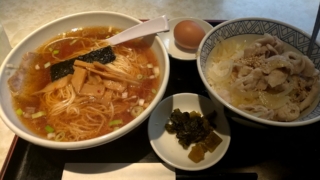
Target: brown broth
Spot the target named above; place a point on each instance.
(35, 80)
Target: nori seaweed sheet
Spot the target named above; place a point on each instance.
(104, 55)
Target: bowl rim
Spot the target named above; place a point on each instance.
(231, 107)
(35, 139)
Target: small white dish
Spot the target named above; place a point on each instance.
(166, 145)
(169, 42)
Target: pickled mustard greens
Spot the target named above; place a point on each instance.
(194, 128)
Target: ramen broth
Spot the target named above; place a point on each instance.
(123, 106)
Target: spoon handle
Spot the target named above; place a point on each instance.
(153, 26)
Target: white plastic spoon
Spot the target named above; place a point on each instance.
(153, 26)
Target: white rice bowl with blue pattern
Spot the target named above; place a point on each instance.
(242, 34)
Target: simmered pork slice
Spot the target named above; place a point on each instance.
(262, 84)
(296, 60)
(276, 77)
(252, 81)
(15, 82)
(314, 92)
(272, 51)
(289, 112)
(267, 39)
(256, 76)
(273, 41)
(303, 83)
(279, 45)
(255, 50)
(267, 46)
(309, 69)
(276, 62)
(301, 87)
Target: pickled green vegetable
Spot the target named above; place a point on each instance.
(194, 128)
(189, 127)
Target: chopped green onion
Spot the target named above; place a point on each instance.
(38, 114)
(55, 51)
(139, 76)
(154, 91)
(50, 49)
(115, 122)
(136, 111)
(49, 129)
(19, 112)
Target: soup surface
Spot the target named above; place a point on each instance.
(264, 77)
(95, 98)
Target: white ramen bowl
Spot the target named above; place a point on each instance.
(50, 30)
(240, 29)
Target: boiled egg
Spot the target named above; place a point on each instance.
(188, 34)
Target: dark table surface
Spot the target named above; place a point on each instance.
(273, 153)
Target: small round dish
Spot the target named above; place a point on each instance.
(169, 42)
(166, 145)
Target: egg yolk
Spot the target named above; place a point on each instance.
(188, 34)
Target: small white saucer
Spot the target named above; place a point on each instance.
(169, 42)
(166, 145)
